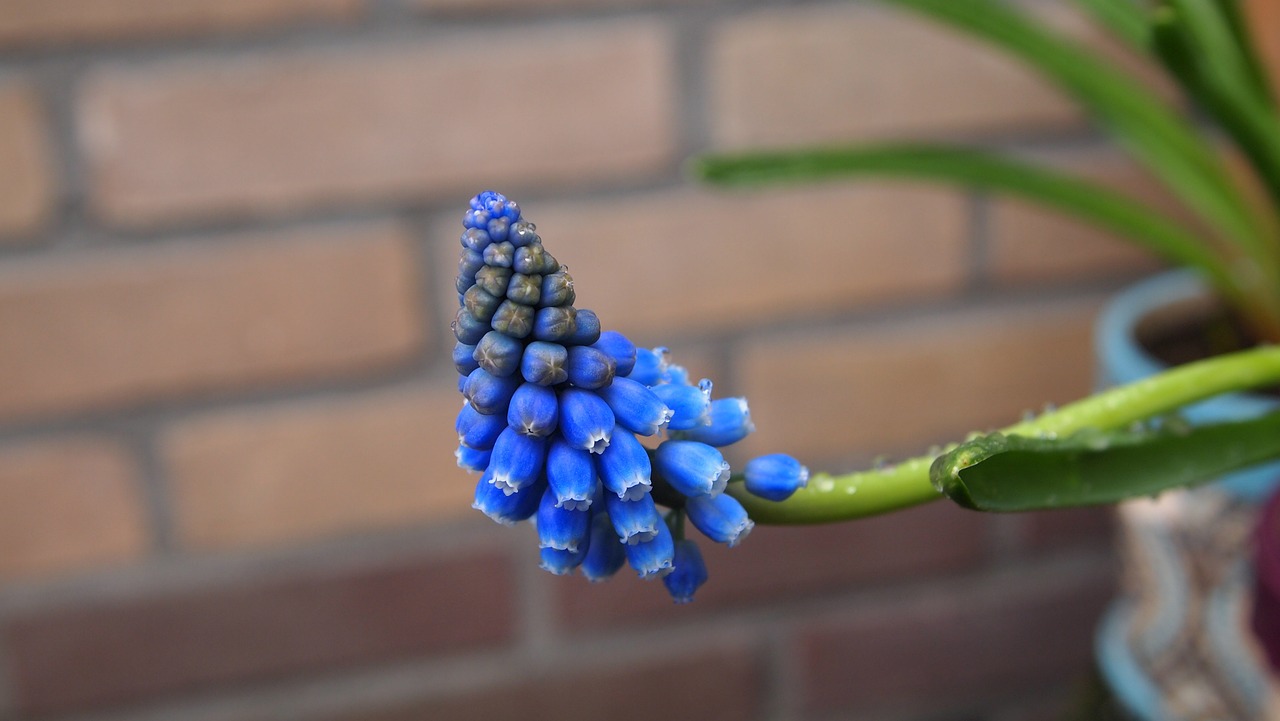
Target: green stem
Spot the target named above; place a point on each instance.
(830, 498)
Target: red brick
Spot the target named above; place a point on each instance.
(38, 22)
(100, 654)
(950, 647)
(27, 184)
(853, 72)
(570, 104)
(299, 471)
(692, 260)
(778, 564)
(862, 392)
(710, 685)
(103, 329)
(1029, 243)
(68, 504)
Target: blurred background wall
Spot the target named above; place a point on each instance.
(227, 236)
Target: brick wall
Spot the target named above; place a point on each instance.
(227, 231)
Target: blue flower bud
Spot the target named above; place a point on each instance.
(625, 468)
(690, 405)
(498, 228)
(590, 368)
(677, 374)
(560, 562)
(480, 304)
(653, 558)
(649, 366)
(488, 393)
(585, 420)
(525, 289)
(523, 233)
(619, 348)
(635, 407)
(588, 328)
(517, 460)
(500, 255)
(499, 354)
(688, 572)
(604, 554)
(692, 468)
(557, 289)
(571, 473)
(493, 280)
(529, 260)
(635, 521)
(467, 328)
(480, 199)
(775, 477)
(565, 529)
(556, 323)
(545, 363)
(475, 218)
(534, 410)
(475, 239)
(513, 319)
(463, 359)
(476, 429)
(720, 518)
(730, 423)
(470, 263)
(472, 459)
(507, 508)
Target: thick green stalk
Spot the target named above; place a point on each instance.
(830, 498)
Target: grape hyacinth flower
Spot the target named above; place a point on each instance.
(554, 408)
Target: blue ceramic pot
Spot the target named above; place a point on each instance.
(1173, 619)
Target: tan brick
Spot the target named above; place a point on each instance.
(32, 22)
(307, 470)
(694, 260)
(27, 183)
(853, 72)
(838, 393)
(92, 330)
(68, 504)
(260, 133)
(1031, 243)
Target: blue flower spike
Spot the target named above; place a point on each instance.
(555, 406)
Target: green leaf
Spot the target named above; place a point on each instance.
(977, 169)
(1167, 143)
(1124, 18)
(1017, 473)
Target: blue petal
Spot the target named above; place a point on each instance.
(688, 573)
(604, 554)
(506, 508)
(730, 423)
(517, 460)
(590, 368)
(488, 393)
(625, 467)
(565, 529)
(499, 354)
(572, 475)
(775, 477)
(720, 518)
(692, 468)
(545, 363)
(477, 430)
(634, 521)
(619, 348)
(585, 420)
(635, 407)
(560, 562)
(678, 375)
(653, 558)
(587, 330)
(649, 367)
(534, 410)
(690, 404)
(472, 459)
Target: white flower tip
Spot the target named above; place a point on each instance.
(639, 536)
(635, 489)
(804, 477)
(598, 443)
(573, 504)
(555, 571)
(741, 532)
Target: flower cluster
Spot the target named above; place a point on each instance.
(555, 408)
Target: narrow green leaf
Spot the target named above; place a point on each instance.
(1256, 70)
(1167, 143)
(1017, 473)
(1124, 18)
(985, 171)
